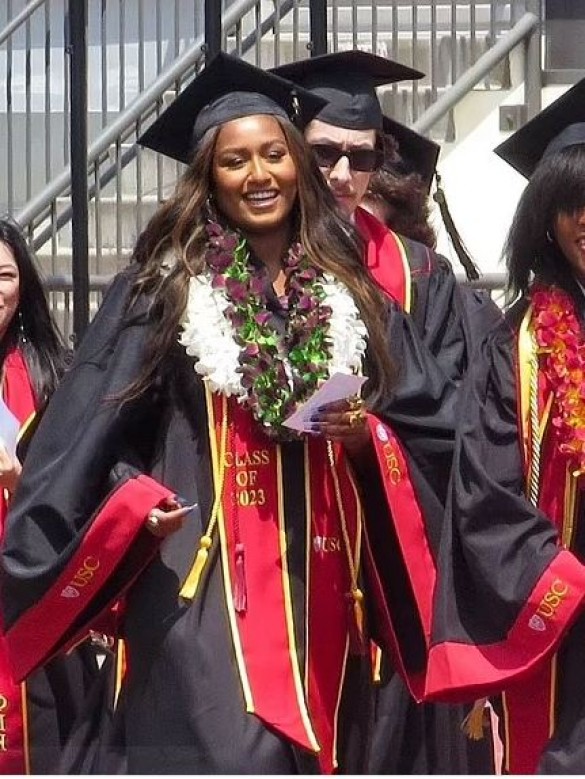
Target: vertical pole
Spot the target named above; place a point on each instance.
(78, 139)
(533, 63)
(212, 29)
(318, 26)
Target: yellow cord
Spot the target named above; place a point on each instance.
(191, 583)
(356, 594)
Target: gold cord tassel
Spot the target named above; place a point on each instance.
(473, 723)
(356, 635)
(191, 583)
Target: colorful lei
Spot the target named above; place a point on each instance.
(560, 340)
(228, 329)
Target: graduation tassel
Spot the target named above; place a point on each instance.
(472, 725)
(191, 583)
(240, 591)
(357, 643)
(189, 588)
(464, 257)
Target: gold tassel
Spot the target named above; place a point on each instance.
(189, 588)
(357, 643)
(472, 725)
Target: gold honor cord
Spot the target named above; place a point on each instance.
(189, 588)
(356, 594)
(406, 273)
(535, 438)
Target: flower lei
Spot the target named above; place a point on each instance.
(228, 330)
(559, 337)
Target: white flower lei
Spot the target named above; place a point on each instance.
(208, 335)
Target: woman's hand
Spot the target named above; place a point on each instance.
(167, 519)
(344, 421)
(10, 470)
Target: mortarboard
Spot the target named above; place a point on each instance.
(417, 153)
(348, 81)
(228, 88)
(559, 125)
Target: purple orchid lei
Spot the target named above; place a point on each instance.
(278, 372)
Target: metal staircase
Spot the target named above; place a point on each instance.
(140, 53)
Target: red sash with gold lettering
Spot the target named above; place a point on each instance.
(529, 705)
(18, 395)
(298, 699)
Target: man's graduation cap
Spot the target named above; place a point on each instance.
(417, 153)
(559, 125)
(348, 81)
(228, 88)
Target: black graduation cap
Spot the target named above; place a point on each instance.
(559, 125)
(347, 80)
(227, 88)
(417, 153)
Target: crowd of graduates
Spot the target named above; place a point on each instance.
(191, 582)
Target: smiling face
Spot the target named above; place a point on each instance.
(347, 185)
(254, 175)
(569, 231)
(9, 288)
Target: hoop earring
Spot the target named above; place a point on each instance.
(21, 331)
(549, 237)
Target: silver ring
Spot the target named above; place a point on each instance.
(152, 521)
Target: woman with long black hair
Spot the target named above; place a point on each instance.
(511, 583)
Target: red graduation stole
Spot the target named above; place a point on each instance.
(300, 701)
(18, 395)
(529, 705)
(385, 258)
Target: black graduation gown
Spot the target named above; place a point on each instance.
(181, 707)
(499, 559)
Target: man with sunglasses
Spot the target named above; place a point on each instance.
(346, 137)
(347, 140)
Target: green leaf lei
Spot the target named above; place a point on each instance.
(278, 371)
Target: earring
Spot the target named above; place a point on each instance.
(21, 331)
(549, 237)
(210, 207)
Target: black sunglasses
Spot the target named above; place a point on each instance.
(363, 160)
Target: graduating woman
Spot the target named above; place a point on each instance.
(163, 480)
(35, 715)
(511, 584)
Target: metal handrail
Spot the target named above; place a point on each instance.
(19, 19)
(143, 105)
(465, 83)
(129, 154)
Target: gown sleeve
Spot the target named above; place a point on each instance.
(500, 555)
(412, 434)
(75, 536)
(439, 313)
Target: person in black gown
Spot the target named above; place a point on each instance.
(163, 498)
(511, 576)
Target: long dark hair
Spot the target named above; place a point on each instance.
(557, 186)
(406, 200)
(178, 228)
(32, 329)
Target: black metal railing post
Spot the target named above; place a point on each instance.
(212, 29)
(78, 138)
(318, 27)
